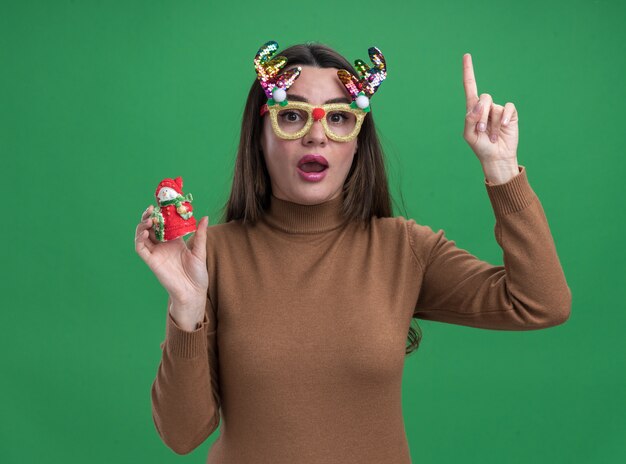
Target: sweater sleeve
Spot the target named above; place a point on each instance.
(185, 393)
(528, 292)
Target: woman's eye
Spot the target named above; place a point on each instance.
(338, 117)
(291, 116)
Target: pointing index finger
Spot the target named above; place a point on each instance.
(469, 82)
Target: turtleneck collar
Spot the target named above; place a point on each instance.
(297, 219)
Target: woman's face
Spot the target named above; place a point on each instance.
(317, 86)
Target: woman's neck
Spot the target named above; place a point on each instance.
(298, 218)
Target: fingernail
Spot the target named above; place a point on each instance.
(505, 121)
(481, 126)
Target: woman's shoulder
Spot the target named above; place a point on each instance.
(226, 230)
(401, 224)
(407, 231)
(401, 236)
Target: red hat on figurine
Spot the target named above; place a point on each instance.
(176, 184)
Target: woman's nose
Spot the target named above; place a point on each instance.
(316, 133)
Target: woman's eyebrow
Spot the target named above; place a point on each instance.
(300, 98)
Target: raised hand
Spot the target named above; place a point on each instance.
(491, 130)
(180, 267)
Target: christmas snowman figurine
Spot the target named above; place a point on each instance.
(173, 217)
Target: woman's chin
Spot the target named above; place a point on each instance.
(312, 196)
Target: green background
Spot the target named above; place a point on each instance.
(101, 100)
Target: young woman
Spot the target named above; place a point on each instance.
(288, 322)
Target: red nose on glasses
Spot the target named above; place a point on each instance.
(318, 113)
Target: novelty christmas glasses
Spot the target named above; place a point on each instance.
(341, 121)
(291, 121)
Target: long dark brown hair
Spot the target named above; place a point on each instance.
(365, 191)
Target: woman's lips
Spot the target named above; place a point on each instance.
(309, 175)
(313, 158)
(312, 176)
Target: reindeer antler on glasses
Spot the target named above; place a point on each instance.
(361, 89)
(267, 67)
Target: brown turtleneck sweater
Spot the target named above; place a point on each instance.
(302, 349)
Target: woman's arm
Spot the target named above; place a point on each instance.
(185, 393)
(528, 292)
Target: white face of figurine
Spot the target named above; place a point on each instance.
(167, 193)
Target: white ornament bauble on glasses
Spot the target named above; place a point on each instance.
(279, 94)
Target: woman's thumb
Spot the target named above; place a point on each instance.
(199, 243)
